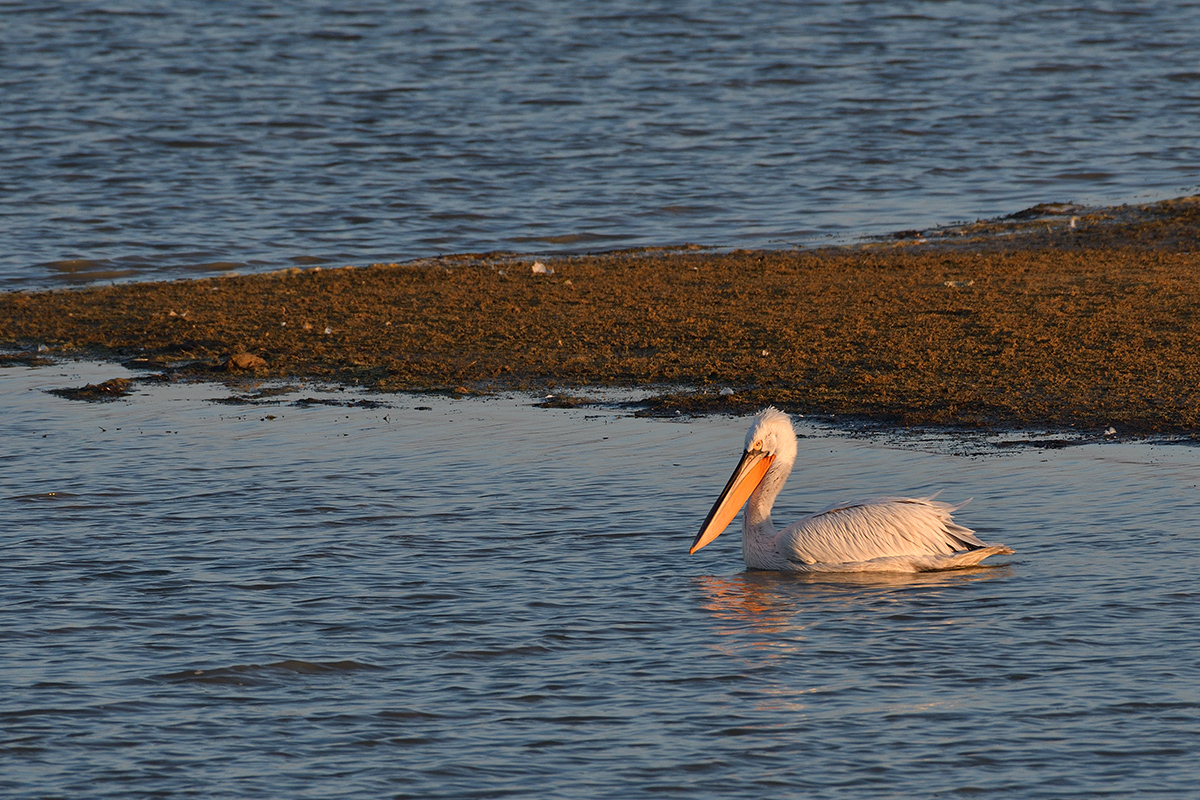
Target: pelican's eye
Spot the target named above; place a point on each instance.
(758, 444)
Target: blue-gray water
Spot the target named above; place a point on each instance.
(477, 598)
(152, 139)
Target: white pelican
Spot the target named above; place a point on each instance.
(896, 534)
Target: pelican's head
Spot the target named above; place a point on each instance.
(772, 434)
(770, 439)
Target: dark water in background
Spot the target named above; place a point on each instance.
(149, 139)
(482, 599)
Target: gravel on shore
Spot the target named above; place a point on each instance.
(1058, 317)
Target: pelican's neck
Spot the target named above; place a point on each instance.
(758, 532)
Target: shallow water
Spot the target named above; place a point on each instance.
(156, 139)
(477, 598)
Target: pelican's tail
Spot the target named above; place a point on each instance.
(968, 558)
(910, 563)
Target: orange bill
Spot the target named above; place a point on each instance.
(742, 483)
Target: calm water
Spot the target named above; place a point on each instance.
(154, 138)
(484, 599)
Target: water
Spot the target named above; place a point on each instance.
(167, 139)
(477, 598)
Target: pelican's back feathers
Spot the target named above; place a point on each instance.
(891, 528)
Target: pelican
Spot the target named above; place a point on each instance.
(896, 534)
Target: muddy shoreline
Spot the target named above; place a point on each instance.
(1057, 317)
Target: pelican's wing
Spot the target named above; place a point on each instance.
(875, 529)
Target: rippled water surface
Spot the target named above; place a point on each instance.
(477, 598)
(178, 138)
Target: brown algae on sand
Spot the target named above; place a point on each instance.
(113, 389)
(1059, 317)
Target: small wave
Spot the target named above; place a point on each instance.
(21, 713)
(503, 652)
(40, 497)
(253, 674)
(406, 714)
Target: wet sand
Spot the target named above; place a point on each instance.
(1056, 317)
